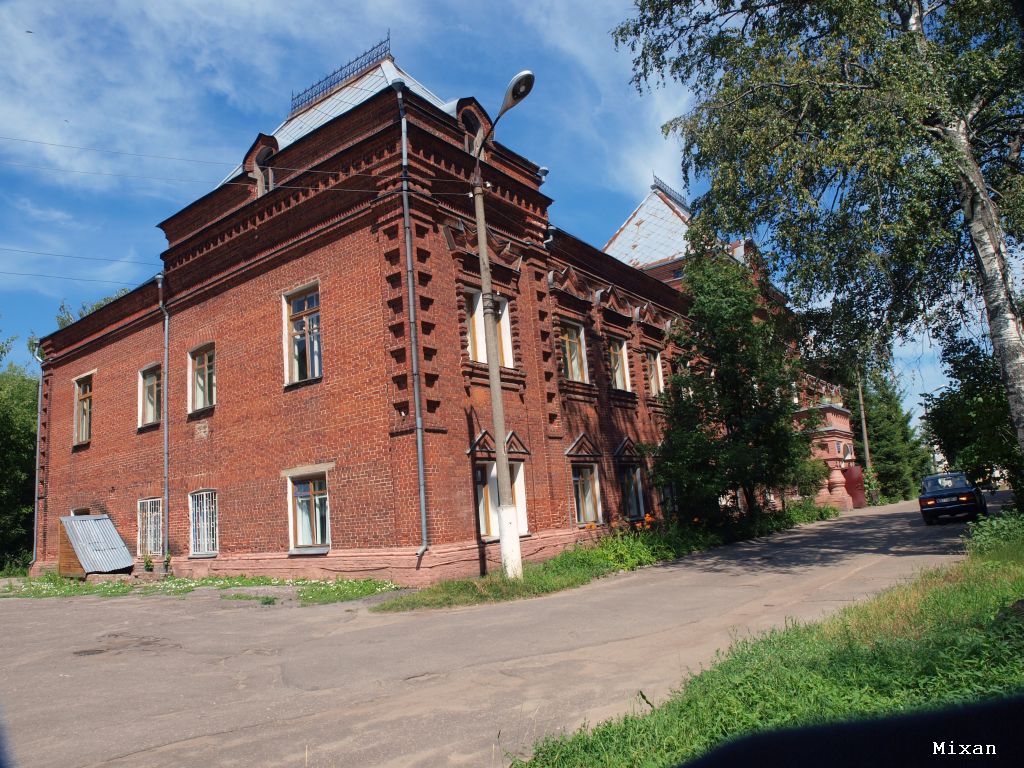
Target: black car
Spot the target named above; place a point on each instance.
(950, 493)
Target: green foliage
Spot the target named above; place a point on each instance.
(730, 419)
(997, 538)
(945, 638)
(868, 141)
(970, 419)
(899, 457)
(341, 590)
(147, 563)
(66, 317)
(18, 400)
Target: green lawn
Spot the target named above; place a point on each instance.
(949, 636)
(310, 591)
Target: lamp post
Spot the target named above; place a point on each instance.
(508, 526)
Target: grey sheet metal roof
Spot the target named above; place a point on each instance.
(655, 231)
(345, 97)
(97, 543)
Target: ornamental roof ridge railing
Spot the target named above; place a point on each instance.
(671, 193)
(378, 52)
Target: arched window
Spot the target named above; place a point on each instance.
(263, 173)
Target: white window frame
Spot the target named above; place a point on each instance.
(203, 540)
(657, 375)
(595, 489)
(143, 422)
(147, 508)
(290, 371)
(77, 382)
(476, 346)
(581, 335)
(488, 518)
(633, 471)
(293, 537)
(201, 349)
(622, 353)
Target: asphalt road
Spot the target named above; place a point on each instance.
(201, 681)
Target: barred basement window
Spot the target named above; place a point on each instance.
(304, 336)
(83, 410)
(586, 493)
(203, 514)
(150, 527)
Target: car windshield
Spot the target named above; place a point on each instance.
(945, 482)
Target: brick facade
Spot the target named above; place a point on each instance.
(333, 219)
(328, 215)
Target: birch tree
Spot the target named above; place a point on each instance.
(875, 146)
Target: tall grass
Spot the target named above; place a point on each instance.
(949, 636)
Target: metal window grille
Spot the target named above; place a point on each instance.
(150, 527)
(203, 505)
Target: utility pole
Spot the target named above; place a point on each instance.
(864, 437)
(508, 524)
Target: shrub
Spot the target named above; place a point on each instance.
(997, 538)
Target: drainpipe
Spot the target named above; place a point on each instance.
(414, 339)
(163, 410)
(39, 427)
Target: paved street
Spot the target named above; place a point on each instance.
(201, 681)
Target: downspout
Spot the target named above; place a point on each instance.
(414, 338)
(163, 412)
(39, 428)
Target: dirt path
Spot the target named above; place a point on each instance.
(201, 681)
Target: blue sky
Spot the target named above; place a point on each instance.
(198, 79)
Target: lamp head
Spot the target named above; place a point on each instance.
(518, 90)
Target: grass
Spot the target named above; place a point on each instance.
(310, 591)
(624, 550)
(949, 636)
(573, 567)
(264, 599)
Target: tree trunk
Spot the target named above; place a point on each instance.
(989, 242)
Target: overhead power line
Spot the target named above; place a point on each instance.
(64, 277)
(84, 258)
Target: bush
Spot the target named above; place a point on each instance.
(998, 537)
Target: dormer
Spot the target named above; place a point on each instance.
(475, 121)
(257, 163)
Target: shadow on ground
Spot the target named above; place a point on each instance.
(892, 530)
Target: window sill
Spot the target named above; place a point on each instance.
(151, 427)
(203, 556)
(578, 390)
(590, 526)
(302, 383)
(201, 413)
(75, 447)
(623, 398)
(478, 373)
(302, 551)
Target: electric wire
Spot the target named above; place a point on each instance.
(84, 258)
(65, 277)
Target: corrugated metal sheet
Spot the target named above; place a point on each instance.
(98, 545)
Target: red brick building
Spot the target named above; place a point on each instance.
(275, 431)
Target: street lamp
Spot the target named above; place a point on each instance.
(508, 527)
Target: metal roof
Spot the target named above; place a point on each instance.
(655, 231)
(348, 94)
(98, 545)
